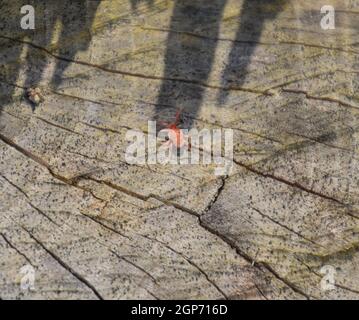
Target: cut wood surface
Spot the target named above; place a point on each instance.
(95, 227)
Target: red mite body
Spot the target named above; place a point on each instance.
(175, 135)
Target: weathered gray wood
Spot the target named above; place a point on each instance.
(94, 227)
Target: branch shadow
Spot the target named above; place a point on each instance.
(9, 51)
(188, 57)
(254, 14)
(135, 3)
(69, 21)
(191, 57)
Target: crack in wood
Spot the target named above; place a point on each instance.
(43, 163)
(286, 227)
(11, 245)
(327, 99)
(295, 185)
(245, 256)
(139, 75)
(78, 276)
(135, 266)
(320, 276)
(190, 262)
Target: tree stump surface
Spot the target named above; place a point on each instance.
(95, 227)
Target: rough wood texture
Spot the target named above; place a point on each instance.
(95, 227)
